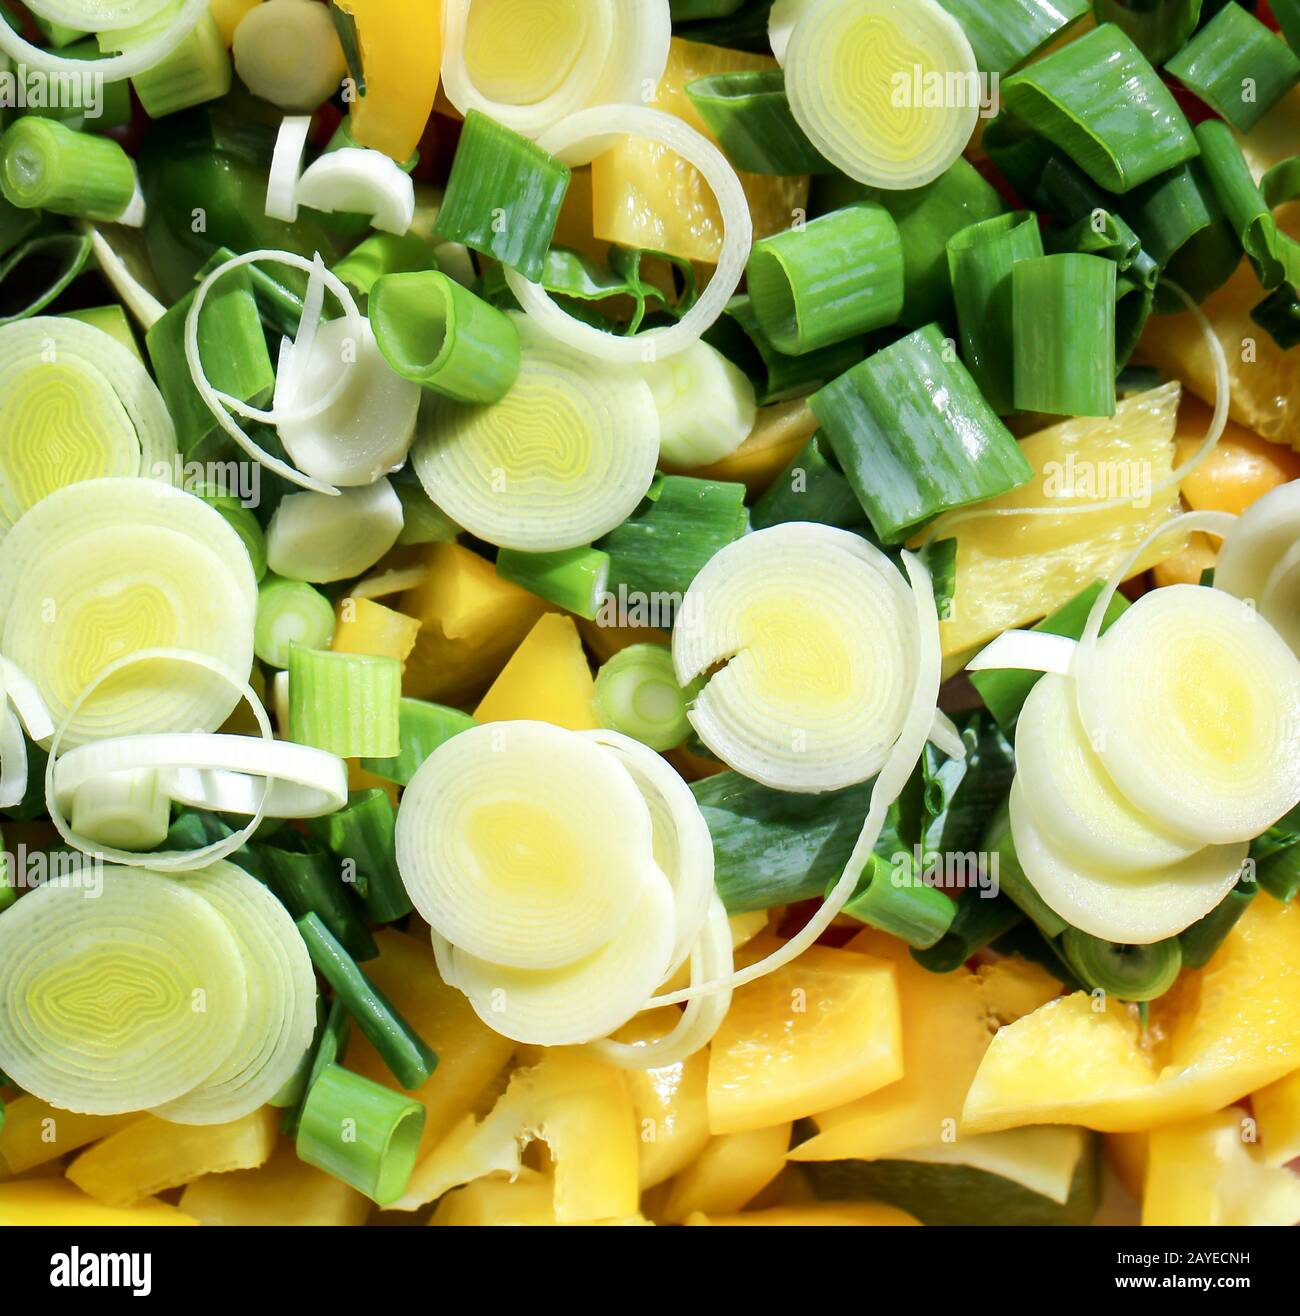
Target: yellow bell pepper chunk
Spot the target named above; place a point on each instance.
(548, 679)
(35, 1132)
(823, 1213)
(1277, 1113)
(818, 1033)
(1127, 1155)
(153, 1155)
(730, 1172)
(1204, 1173)
(228, 14)
(284, 1191)
(1187, 567)
(1013, 988)
(580, 1108)
(672, 1114)
(527, 1200)
(57, 1202)
(401, 56)
(644, 195)
(470, 1054)
(1241, 469)
(471, 622)
(1221, 1033)
(945, 1033)
(364, 626)
(779, 434)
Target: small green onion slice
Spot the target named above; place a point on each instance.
(1131, 973)
(565, 456)
(637, 694)
(869, 83)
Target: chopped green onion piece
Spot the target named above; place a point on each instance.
(439, 334)
(364, 1134)
(503, 196)
(1236, 66)
(1000, 846)
(197, 70)
(749, 113)
(575, 579)
(1182, 227)
(836, 278)
(890, 897)
(1158, 27)
(637, 694)
(1279, 315)
(914, 435)
(1277, 863)
(979, 921)
(777, 376)
(665, 544)
(1004, 691)
(1203, 938)
(927, 218)
(1102, 103)
(329, 1046)
(1004, 35)
(232, 347)
(290, 612)
(48, 166)
(422, 727)
(811, 488)
(111, 320)
(980, 259)
(1064, 335)
(1274, 254)
(381, 254)
(405, 1054)
(1131, 973)
(346, 703)
(308, 881)
(67, 252)
(1287, 13)
(362, 834)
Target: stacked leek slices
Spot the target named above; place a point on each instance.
(565, 875)
(1260, 560)
(1143, 774)
(192, 997)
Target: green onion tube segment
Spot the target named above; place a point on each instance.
(45, 165)
(1132, 973)
(637, 694)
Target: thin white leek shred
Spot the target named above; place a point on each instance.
(565, 876)
(590, 131)
(529, 66)
(286, 168)
(320, 539)
(127, 283)
(361, 181)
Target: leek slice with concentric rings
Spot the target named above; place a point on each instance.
(562, 459)
(74, 405)
(887, 90)
(810, 635)
(1258, 559)
(280, 1015)
(120, 1002)
(105, 568)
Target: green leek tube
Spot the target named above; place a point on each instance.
(890, 897)
(749, 113)
(1064, 339)
(405, 1054)
(503, 196)
(439, 334)
(360, 1132)
(980, 259)
(574, 579)
(1005, 34)
(197, 70)
(308, 881)
(838, 277)
(1237, 67)
(1131, 973)
(45, 165)
(915, 437)
(1101, 102)
(381, 254)
(1158, 27)
(422, 727)
(811, 488)
(346, 703)
(362, 834)
(979, 921)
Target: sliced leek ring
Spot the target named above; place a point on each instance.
(118, 1003)
(525, 846)
(1263, 538)
(1279, 603)
(1192, 701)
(562, 459)
(854, 70)
(280, 1016)
(110, 567)
(74, 405)
(530, 65)
(1064, 785)
(815, 628)
(1133, 909)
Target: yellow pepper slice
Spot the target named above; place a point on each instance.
(547, 679)
(57, 1202)
(35, 1132)
(284, 1191)
(730, 1172)
(365, 626)
(401, 56)
(1277, 1113)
